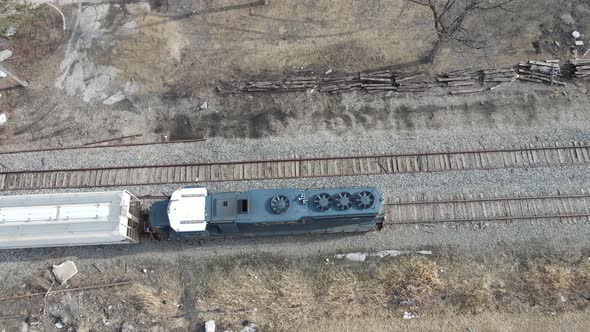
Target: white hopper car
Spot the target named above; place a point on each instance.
(69, 219)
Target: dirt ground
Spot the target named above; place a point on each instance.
(277, 293)
(127, 69)
(148, 68)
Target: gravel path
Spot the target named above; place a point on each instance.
(275, 148)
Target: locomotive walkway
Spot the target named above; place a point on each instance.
(443, 161)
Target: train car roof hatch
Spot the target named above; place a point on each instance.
(186, 211)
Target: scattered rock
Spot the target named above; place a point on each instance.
(11, 31)
(563, 299)
(117, 97)
(567, 18)
(127, 327)
(249, 328)
(5, 55)
(144, 270)
(59, 325)
(408, 302)
(204, 106)
(138, 8)
(3, 118)
(129, 89)
(582, 9)
(2, 74)
(210, 326)
(409, 315)
(64, 271)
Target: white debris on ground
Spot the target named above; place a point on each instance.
(3, 118)
(64, 271)
(5, 55)
(409, 315)
(210, 326)
(9, 32)
(355, 256)
(249, 328)
(129, 89)
(361, 257)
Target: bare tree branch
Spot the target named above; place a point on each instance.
(448, 15)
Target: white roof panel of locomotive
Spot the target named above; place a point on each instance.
(66, 219)
(186, 210)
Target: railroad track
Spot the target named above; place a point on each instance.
(291, 168)
(563, 207)
(101, 145)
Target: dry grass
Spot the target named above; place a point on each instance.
(157, 305)
(281, 297)
(347, 294)
(472, 294)
(546, 283)
(413, 278)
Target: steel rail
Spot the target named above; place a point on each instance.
(501, 209)
(261, 161)
(291, 168)
(476, 200)
(96, 145)
(503, 218)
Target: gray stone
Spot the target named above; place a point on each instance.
(10, 32)
(582, 9)
(117, 97)
(5, 55)
(138, 8)
(567, 18)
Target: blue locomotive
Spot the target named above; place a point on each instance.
(192, 213)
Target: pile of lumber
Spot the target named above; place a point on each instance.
(295, 83)
(540, 72)
(580, 68)
(413, 82)
(377, 81)
(457, 78)
(338, 83)
(463, 80)
(498, 75)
